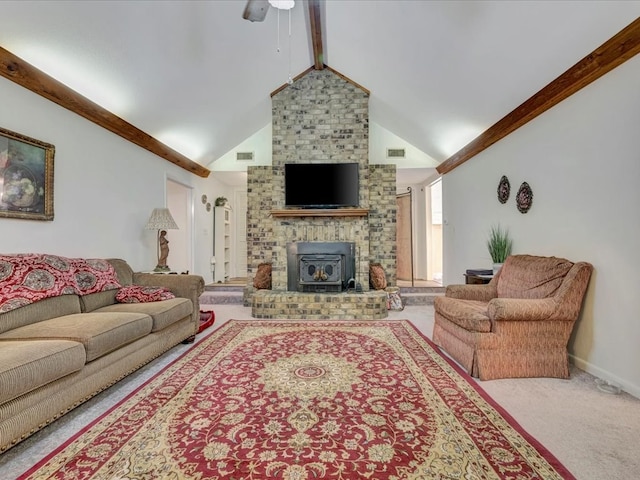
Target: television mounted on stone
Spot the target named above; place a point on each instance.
(321, 185)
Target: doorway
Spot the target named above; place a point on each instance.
(404, 237)
(419, 259)
(179, 203)
(434, 231)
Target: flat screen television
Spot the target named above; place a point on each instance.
(321, 185)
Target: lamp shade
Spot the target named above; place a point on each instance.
(161, 219)
(282, 4)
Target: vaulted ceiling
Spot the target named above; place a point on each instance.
(197, 76)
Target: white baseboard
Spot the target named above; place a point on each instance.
(598, 372)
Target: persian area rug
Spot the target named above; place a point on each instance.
(297, 400)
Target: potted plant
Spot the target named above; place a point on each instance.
(221, 201)
(499, 245)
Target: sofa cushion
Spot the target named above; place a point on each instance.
(123, 271)
(143, 294)
(94, 301)
(163, 313)
(468, 314)
(27, 365)
(42, 310)
(528, 276)
(99, 332)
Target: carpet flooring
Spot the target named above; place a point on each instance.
(593, 433)
(306, 399)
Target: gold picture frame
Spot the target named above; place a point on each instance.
(26, 177)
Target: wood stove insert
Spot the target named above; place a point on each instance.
(320, 266)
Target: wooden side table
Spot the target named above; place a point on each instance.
(478, 276)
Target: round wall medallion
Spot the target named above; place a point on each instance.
(204, 199)
(524, 198)
(504, 189)
(208, 207)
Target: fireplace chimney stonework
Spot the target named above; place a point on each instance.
(322, 117)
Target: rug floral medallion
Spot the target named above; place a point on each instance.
(299, 400)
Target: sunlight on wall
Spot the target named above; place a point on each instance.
(85, 77)
(455, 137)
(184, 142)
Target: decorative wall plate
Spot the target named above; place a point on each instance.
(524, 198)
(504, 189)
(204, 199)
(208, 207)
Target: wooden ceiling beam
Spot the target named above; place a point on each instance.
(614, 52)
(26, 75)
(316, 33)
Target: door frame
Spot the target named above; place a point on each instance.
(188, 207)
(240, 215)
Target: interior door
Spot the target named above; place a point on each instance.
(404, 258)
(178, 198)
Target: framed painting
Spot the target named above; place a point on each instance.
(26, 177)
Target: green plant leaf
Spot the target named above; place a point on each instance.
(499, 244)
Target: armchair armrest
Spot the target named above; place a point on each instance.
(184, 286)
(482, 293)
(518, 309)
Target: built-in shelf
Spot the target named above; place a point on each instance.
(222, 243)
(321, 212)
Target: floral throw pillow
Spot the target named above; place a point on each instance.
(377, 277)
(262, 281)
(142, 294)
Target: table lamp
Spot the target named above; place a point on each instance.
(161, 220)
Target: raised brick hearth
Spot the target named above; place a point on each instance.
(370, 305)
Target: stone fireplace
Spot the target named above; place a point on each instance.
(323, 118)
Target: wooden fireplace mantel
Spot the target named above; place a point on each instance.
(321, 212)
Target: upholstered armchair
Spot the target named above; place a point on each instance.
(519, 324)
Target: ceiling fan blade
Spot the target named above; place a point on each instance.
(256, 10)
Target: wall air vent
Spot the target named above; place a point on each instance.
(244, 156)
(395, 153)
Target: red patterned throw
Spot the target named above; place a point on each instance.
(301, 400)
(30, 277)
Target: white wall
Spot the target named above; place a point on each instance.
(380, 139)
(582, 161)
(260, 143)
(104, 189)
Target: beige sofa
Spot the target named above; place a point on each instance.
(58, 352)
(519, 324)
